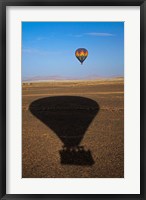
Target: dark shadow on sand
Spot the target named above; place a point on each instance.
(69, 117)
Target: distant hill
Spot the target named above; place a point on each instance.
(61, 78)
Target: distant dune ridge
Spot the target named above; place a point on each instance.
(65, 78)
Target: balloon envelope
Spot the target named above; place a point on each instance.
(81, 54)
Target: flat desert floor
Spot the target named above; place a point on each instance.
(73, 129)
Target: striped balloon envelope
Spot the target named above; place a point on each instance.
(81, 54)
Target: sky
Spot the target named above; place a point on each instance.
(48, 49)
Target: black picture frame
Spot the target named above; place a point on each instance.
(3, 125)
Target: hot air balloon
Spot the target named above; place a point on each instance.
(81, 54)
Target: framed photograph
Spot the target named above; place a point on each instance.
(72, 99)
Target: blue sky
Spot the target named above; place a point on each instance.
(48, 49)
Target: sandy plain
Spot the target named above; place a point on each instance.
(73, 129)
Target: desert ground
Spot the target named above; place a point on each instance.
(73, 129)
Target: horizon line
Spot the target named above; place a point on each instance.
(70, 80)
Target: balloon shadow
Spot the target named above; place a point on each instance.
(69, 117)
